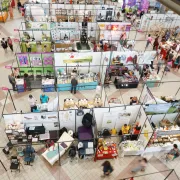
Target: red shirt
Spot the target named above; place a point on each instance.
(105, 47)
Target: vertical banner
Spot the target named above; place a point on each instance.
(35, 59)
(23, 59)
(48, 59)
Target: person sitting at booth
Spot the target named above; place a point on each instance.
(133, 100)
(35, 109)
(173, 153)
(125, 129)
(44, 98)
(74, 70)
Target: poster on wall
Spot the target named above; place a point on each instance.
(48, 59)
(22, 59)
(109, 120)
(35, 59)
(36, 26)
(77, 58)
(123, 118)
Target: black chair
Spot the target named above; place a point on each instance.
(38, 74)
(21, 73)
(15, 164)
(30, 73)
(49, 74)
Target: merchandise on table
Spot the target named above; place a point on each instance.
(106, 150)
(85, 81)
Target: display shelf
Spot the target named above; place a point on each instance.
(132, 148)
(80, 86)
(48, 85)
(16, 136)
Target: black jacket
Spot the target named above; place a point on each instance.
(74, 82)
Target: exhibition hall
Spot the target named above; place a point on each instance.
(89, 90)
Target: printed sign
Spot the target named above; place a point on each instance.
(8, 67)
(5, 88)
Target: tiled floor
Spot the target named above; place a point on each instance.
(83, 169)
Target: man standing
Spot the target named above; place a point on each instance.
(44, 99)
(74, 84)
(12, 81)
(4, 44)
(9, 42)
(32, 102)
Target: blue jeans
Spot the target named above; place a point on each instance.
(73, 88)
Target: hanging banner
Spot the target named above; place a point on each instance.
(35, 59)
(23, 59)
(48, 59)
(78, 60)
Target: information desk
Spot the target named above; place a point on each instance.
(20, 85)
(110, 153)
(80, 86)
(48, 85)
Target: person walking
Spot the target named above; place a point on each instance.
(107, 169)
(12, 81)
(10, 44)
(156, 43)
(19, 6)
(74, 84)
(149, 40)
(4, 44)
(32, 102)
(141, 167)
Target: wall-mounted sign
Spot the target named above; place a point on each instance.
(22, 59)
(78, 60)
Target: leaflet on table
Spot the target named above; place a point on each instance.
(23, 59)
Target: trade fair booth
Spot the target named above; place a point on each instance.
(38, 127)
(37, 69)
(69, 12)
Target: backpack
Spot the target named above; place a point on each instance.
(87, 120)
(106, 133)
(72, 151)
(61, 131)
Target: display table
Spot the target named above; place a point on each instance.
(161, 147)
(122, 82)
(48, 85)
(152, 81)
(110, 153)
(20, 85)
(80, 86)
(132, 148)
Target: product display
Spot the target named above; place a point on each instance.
(106, 150)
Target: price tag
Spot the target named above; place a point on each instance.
(5, 88)
(8, 67)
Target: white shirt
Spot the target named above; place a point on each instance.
(32, 101)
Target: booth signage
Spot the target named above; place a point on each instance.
(16, 40)
(8, 67)
(79, 60)
(5, 88)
